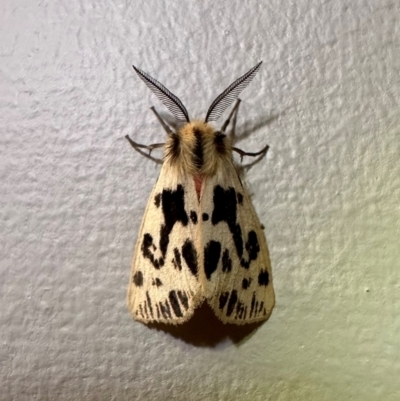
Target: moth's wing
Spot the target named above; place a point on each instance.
(238, 279)
(164, 285)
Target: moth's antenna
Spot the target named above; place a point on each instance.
(170, 101)
(226, 98)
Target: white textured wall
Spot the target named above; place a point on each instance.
(73, 192)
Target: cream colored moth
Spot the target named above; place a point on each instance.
(200, 238)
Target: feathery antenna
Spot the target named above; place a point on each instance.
(170, 101)
(226, 98)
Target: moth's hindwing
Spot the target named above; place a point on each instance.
(238, 280)
(164, 285)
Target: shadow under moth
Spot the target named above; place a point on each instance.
(200, 238)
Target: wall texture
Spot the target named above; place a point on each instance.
(73, 193)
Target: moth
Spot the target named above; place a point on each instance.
(200, 238)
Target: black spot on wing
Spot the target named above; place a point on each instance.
(239, 198)
(141, 311)
(165, 310)
(205, 216)
(157, 282)
(245, 283)
(138, 278)
(190, 255)
(240, 309)
(168, 309)
(226, 262)
(177, 262)
(224, 206)
(252, 246)
(149, 303)
(263, 278)
(173, 299)
(157, 200)
(212, 252)
(225, 210)
(184, 299)
(193, 217)
(173, 209)
(253, 302)
(231, 303)
(222, 299)
(147, 243)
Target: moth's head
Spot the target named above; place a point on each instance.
(197, 147)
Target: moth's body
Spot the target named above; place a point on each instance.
(197, 150)
(200, 239)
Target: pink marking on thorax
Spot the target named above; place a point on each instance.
(198, 182)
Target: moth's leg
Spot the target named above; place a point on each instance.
(242, 153)
(166, 127)
(137, 146)
(233, 114)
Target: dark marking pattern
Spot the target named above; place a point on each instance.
(252, 246)
(240, 198)
(212, 252)
(173, 208)
(253, 301)
(205, 216)
(226, 261)
(222, 299)
(263, 278)
(220, 143)
(147, 253)
(225, 209)
(193, 217)
(163, 310)
(237, 309)
(177, 259)
(232, 302)
(173, 149)
(173, 299)
(245, 283)
(184, 299)
(240, 309)
(149, 302)
(157, 200)
(198, 156)
(138, 278)
(190, 255)
(157, 282)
